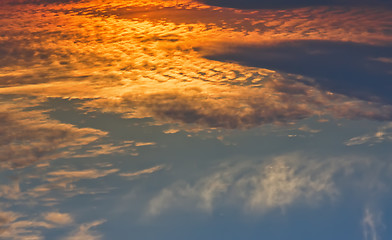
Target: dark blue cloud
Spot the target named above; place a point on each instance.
(357, 70)
(274, 4)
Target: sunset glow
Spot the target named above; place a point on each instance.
(121, 116)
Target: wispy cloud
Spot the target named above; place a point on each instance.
(383, 133)
(86, 232)
(371, 224)
(142, 172)
(17, 226)
(31, 136)
(259, 186)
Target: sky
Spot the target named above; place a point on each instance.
(185, 119)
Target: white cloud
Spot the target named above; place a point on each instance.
(258, 186)
(371, 224)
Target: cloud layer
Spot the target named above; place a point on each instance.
(140, 67)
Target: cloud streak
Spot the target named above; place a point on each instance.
(142, 172)
(371, 223)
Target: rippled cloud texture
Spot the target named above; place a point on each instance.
(155, 108)
(152, 69)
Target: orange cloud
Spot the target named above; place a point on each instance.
(58, 218)
(144, 67)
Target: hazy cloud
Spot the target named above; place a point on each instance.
(79, 174)
(16, 226)
(383, 134)
(371, 223)
(58, 218)
(86, 232)
(260, 186)
(31, 136)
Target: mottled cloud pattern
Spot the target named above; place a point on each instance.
(155, 70)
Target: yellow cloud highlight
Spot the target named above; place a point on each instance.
(142, 172)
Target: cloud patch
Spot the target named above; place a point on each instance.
(58, 218)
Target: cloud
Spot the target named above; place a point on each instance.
(277, 101)
(10, 191)
(85, 232)
(371, 223)
(157, 70)
(340, 67)
(383, 134)
(58, 218)
(17, 226)
(80, 174)
(142, 172)
(260, 186)
(52, 187)
(126, 147)
(7, 217)
(63, 183)
(139, 144)
(31, 136)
